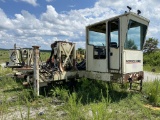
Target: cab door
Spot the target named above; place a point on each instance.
(114, 46)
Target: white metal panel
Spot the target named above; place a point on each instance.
(123, 30)
(138, 19)
(107, 47)
(114, 58)
(123, 33)
(95, 64)
(133, 61)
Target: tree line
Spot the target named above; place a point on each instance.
(151, 55)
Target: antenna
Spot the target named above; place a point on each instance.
(138, 12)
(15, 46)
(129, 8)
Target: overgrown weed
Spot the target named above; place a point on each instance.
(152, 92)
(84, 99)
(97, 95)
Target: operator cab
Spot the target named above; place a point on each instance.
(115, 45)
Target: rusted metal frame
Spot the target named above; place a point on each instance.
(141, 82)
(136, 76)
(67, 54)
(130, 83)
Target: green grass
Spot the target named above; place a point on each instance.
(4, 56)
(44, 55)
(150, 68)
(4, 71)
(152, 91)
(81, 100)
(103, 102)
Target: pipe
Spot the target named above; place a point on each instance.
(36, 69)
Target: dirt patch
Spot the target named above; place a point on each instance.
(152, 107)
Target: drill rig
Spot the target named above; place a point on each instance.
(114, 52)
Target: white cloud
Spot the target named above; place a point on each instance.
(72, 6)
(26, 29)
(50, 14)
(149, 9)
(49, 0)
(25, 20)
(32, 2)
(5, 23)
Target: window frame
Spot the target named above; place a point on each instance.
(142, 35)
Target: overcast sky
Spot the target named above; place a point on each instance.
(41, 22)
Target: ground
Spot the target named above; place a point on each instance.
(18, 102)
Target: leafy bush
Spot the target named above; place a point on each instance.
(61, 93)
(152, 59)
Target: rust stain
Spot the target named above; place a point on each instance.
(135, 76)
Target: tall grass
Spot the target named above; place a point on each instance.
(12, 93)
(76, 110)
(88, 99)
(152, 90)
(83, 100)
(97, 100)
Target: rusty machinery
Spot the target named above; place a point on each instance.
(110, 56)
(63, 55)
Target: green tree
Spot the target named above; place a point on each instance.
(81, 51)
(150, 45)
(130, 45)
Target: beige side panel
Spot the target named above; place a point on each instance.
(133, 61)
(145, 22)
(95, 64)
(114, 59)
(95, 75)
(123, 32)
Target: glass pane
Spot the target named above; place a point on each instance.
(114, 33)
(135, 36)
(97, 38)
(114, 36)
